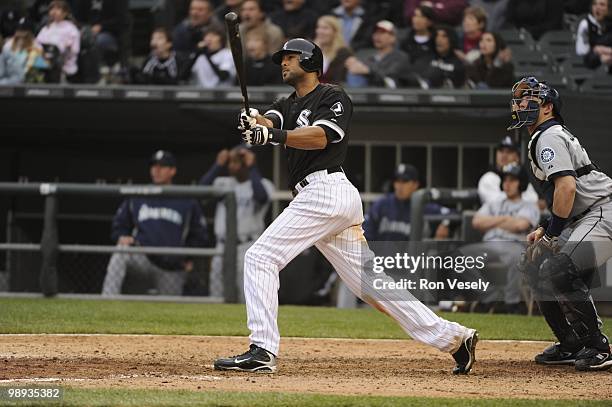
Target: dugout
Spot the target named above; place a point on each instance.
(93, 134)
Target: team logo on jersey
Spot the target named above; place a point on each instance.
(338, 109)
(547, 155)
(302, 120)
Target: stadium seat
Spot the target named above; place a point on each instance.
(574, 68)
(528, 62)
(559, 43)
(559, 81)
(517, 38)
(598, 84)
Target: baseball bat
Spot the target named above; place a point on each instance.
(231, 22)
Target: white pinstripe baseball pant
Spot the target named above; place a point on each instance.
(328, 213)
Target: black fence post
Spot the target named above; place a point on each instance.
(230, 289)
(49, 248)
(417, 205)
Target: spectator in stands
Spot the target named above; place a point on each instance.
(420, 40)
(108, 20)
(295, 19)
(214, 65)
(356, 26)
(190, 32)
(445, 69)
(253, 22)
(335, 52)
(536, 16)
(495, 11)
(61, 32)
(505, 223)
(494, 68)
(260, 70)
(237, 169)
(594, 36)
(449, 12)
(474, 25)
(163, 66)
(389, 218)
(21, 59)
(381, 67)
(507, 152)
(155, 222)
(227, 6)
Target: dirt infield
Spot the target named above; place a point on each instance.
(328, 366)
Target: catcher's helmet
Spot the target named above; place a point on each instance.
(311, 57)
(515, 170)
(530, 86)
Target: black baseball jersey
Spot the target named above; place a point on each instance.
(327, 106)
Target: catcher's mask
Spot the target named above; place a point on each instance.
(537, 94)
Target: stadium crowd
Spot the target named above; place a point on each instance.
(394, 44)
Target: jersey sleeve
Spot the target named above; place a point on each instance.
(554, 157)
(530, 212)
(486, 209)
(275, 113)
(334, 115)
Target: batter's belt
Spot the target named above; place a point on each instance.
(304, 182)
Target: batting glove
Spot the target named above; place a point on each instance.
(257, 135)
(247, 121)
(262, 135)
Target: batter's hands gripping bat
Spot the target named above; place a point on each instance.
(231, 22)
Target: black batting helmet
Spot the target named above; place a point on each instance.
(517, 171)
(311, 57)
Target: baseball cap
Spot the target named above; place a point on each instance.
(163, 158)
(507, 142)
(406, 172)
(385, 25)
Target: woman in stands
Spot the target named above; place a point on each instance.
(493, 69)
(594, 36)
(419, 44)
(335, 52)
(474, 25)
(21, 59)
(445, 69)
(214, 65)
(62, 32)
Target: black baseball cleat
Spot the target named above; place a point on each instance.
(591, 359)
(256, 359)
(465, 356)
(556, 355)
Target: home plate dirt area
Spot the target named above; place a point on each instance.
(504, 369)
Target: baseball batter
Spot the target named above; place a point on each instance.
(312, 125)
(567, 249)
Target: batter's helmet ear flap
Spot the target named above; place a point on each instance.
(311, 56)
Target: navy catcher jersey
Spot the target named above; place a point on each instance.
(327, 106)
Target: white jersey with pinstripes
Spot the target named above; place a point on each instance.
(327, 213)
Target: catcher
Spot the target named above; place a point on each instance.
(565, 251)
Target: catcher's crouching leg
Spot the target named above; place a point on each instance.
(564, 352)
(573, 296)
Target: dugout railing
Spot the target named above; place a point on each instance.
(50, 247)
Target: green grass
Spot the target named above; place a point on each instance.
(136, 317)
(112, 397)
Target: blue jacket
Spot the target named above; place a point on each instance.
(389, 218)
(162, 222)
